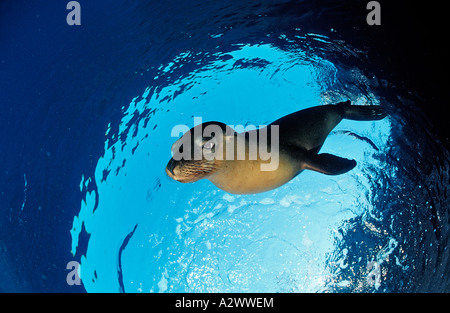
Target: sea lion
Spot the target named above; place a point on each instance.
(300, 136)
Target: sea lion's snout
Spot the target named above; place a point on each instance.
(176, 171)
(170, 169)
(170, 166)
(189, 171)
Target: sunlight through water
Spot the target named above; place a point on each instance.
(151, 234)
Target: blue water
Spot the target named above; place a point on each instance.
(87, 120)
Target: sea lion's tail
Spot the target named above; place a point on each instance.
(361, 112)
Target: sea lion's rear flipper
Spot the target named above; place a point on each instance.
(328, 164)
(361, 112)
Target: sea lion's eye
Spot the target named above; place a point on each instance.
(208, 145)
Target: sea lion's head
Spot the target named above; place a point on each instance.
(198, 153)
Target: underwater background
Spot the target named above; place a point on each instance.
(86, 114)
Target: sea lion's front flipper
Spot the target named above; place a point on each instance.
(328, 164)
